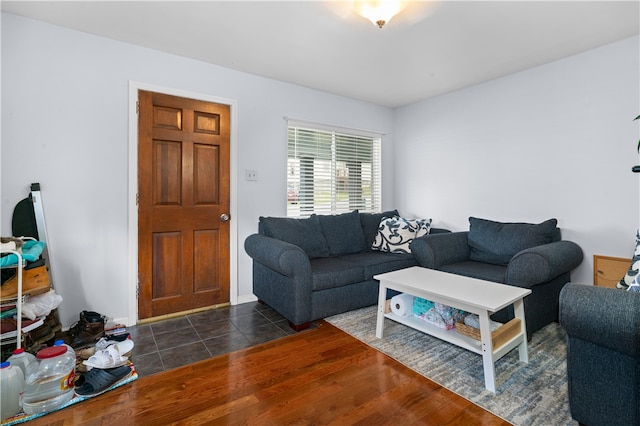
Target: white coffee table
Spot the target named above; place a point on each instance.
(469, 294)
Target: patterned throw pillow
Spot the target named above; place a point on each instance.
(634, 268)
(635, 286)
(396, 233)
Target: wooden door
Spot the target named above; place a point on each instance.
(183, 204)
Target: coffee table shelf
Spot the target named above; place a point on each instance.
(472, 295)
(452, 335)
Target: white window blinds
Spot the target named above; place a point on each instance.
(331, 171)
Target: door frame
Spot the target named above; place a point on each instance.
(132, 192)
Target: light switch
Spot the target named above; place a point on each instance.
(251, 175)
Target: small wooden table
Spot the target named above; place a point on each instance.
(469, 294)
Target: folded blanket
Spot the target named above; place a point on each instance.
(31, 252)
(443, 316)
(421, 306)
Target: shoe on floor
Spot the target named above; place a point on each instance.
(86, 331)
(8, 326)
(41, 334)
(88, 337)
(98, 381)
(117, 337)
(87, 352)
(104, 343)
(112, 356)
(100, 345)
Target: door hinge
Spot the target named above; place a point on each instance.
(137, 107)
(138, 199)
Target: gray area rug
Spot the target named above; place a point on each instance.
(526, 394)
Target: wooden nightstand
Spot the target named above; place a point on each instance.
(607, 270)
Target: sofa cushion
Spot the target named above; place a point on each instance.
(370, 223)
(304, 233)
(343, 233)
(333, 272)
(377, 262)
(482, 271)
(396, 233)
(497, 242)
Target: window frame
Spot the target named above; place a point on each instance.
(354, 160)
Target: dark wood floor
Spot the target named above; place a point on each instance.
(317, 377)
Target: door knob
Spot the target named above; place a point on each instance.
(224, 217)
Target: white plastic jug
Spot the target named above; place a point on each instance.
(12, 384)
(51, 385)
(23, 360)
(61, 342)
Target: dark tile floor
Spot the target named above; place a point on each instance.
(174, 342)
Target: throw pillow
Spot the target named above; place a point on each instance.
(635, 286)
(343, 233)
(496, 242)
(631, 275)
(396, 233)
(304, 233)
(370, 223)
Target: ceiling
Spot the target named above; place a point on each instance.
(429, 49)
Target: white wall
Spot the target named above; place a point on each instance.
(554, 141)
(65, 125)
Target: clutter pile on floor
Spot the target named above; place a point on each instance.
(39, 319)
(91, 358)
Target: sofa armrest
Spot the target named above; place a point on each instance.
(435, 250)
(603, 316)
(543, 263)
(285, 258)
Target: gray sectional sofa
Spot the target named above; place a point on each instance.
(308, 269)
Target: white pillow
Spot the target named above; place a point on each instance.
(396, 233)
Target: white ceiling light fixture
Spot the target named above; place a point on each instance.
(379, 12)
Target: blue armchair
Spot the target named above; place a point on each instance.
(603, 354)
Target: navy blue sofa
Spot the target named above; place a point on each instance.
(308, 269)
(526, 255)
(603, 354)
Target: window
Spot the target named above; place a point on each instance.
(331, 171)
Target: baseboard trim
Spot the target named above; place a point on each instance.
(182, 313)
(247, 298)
